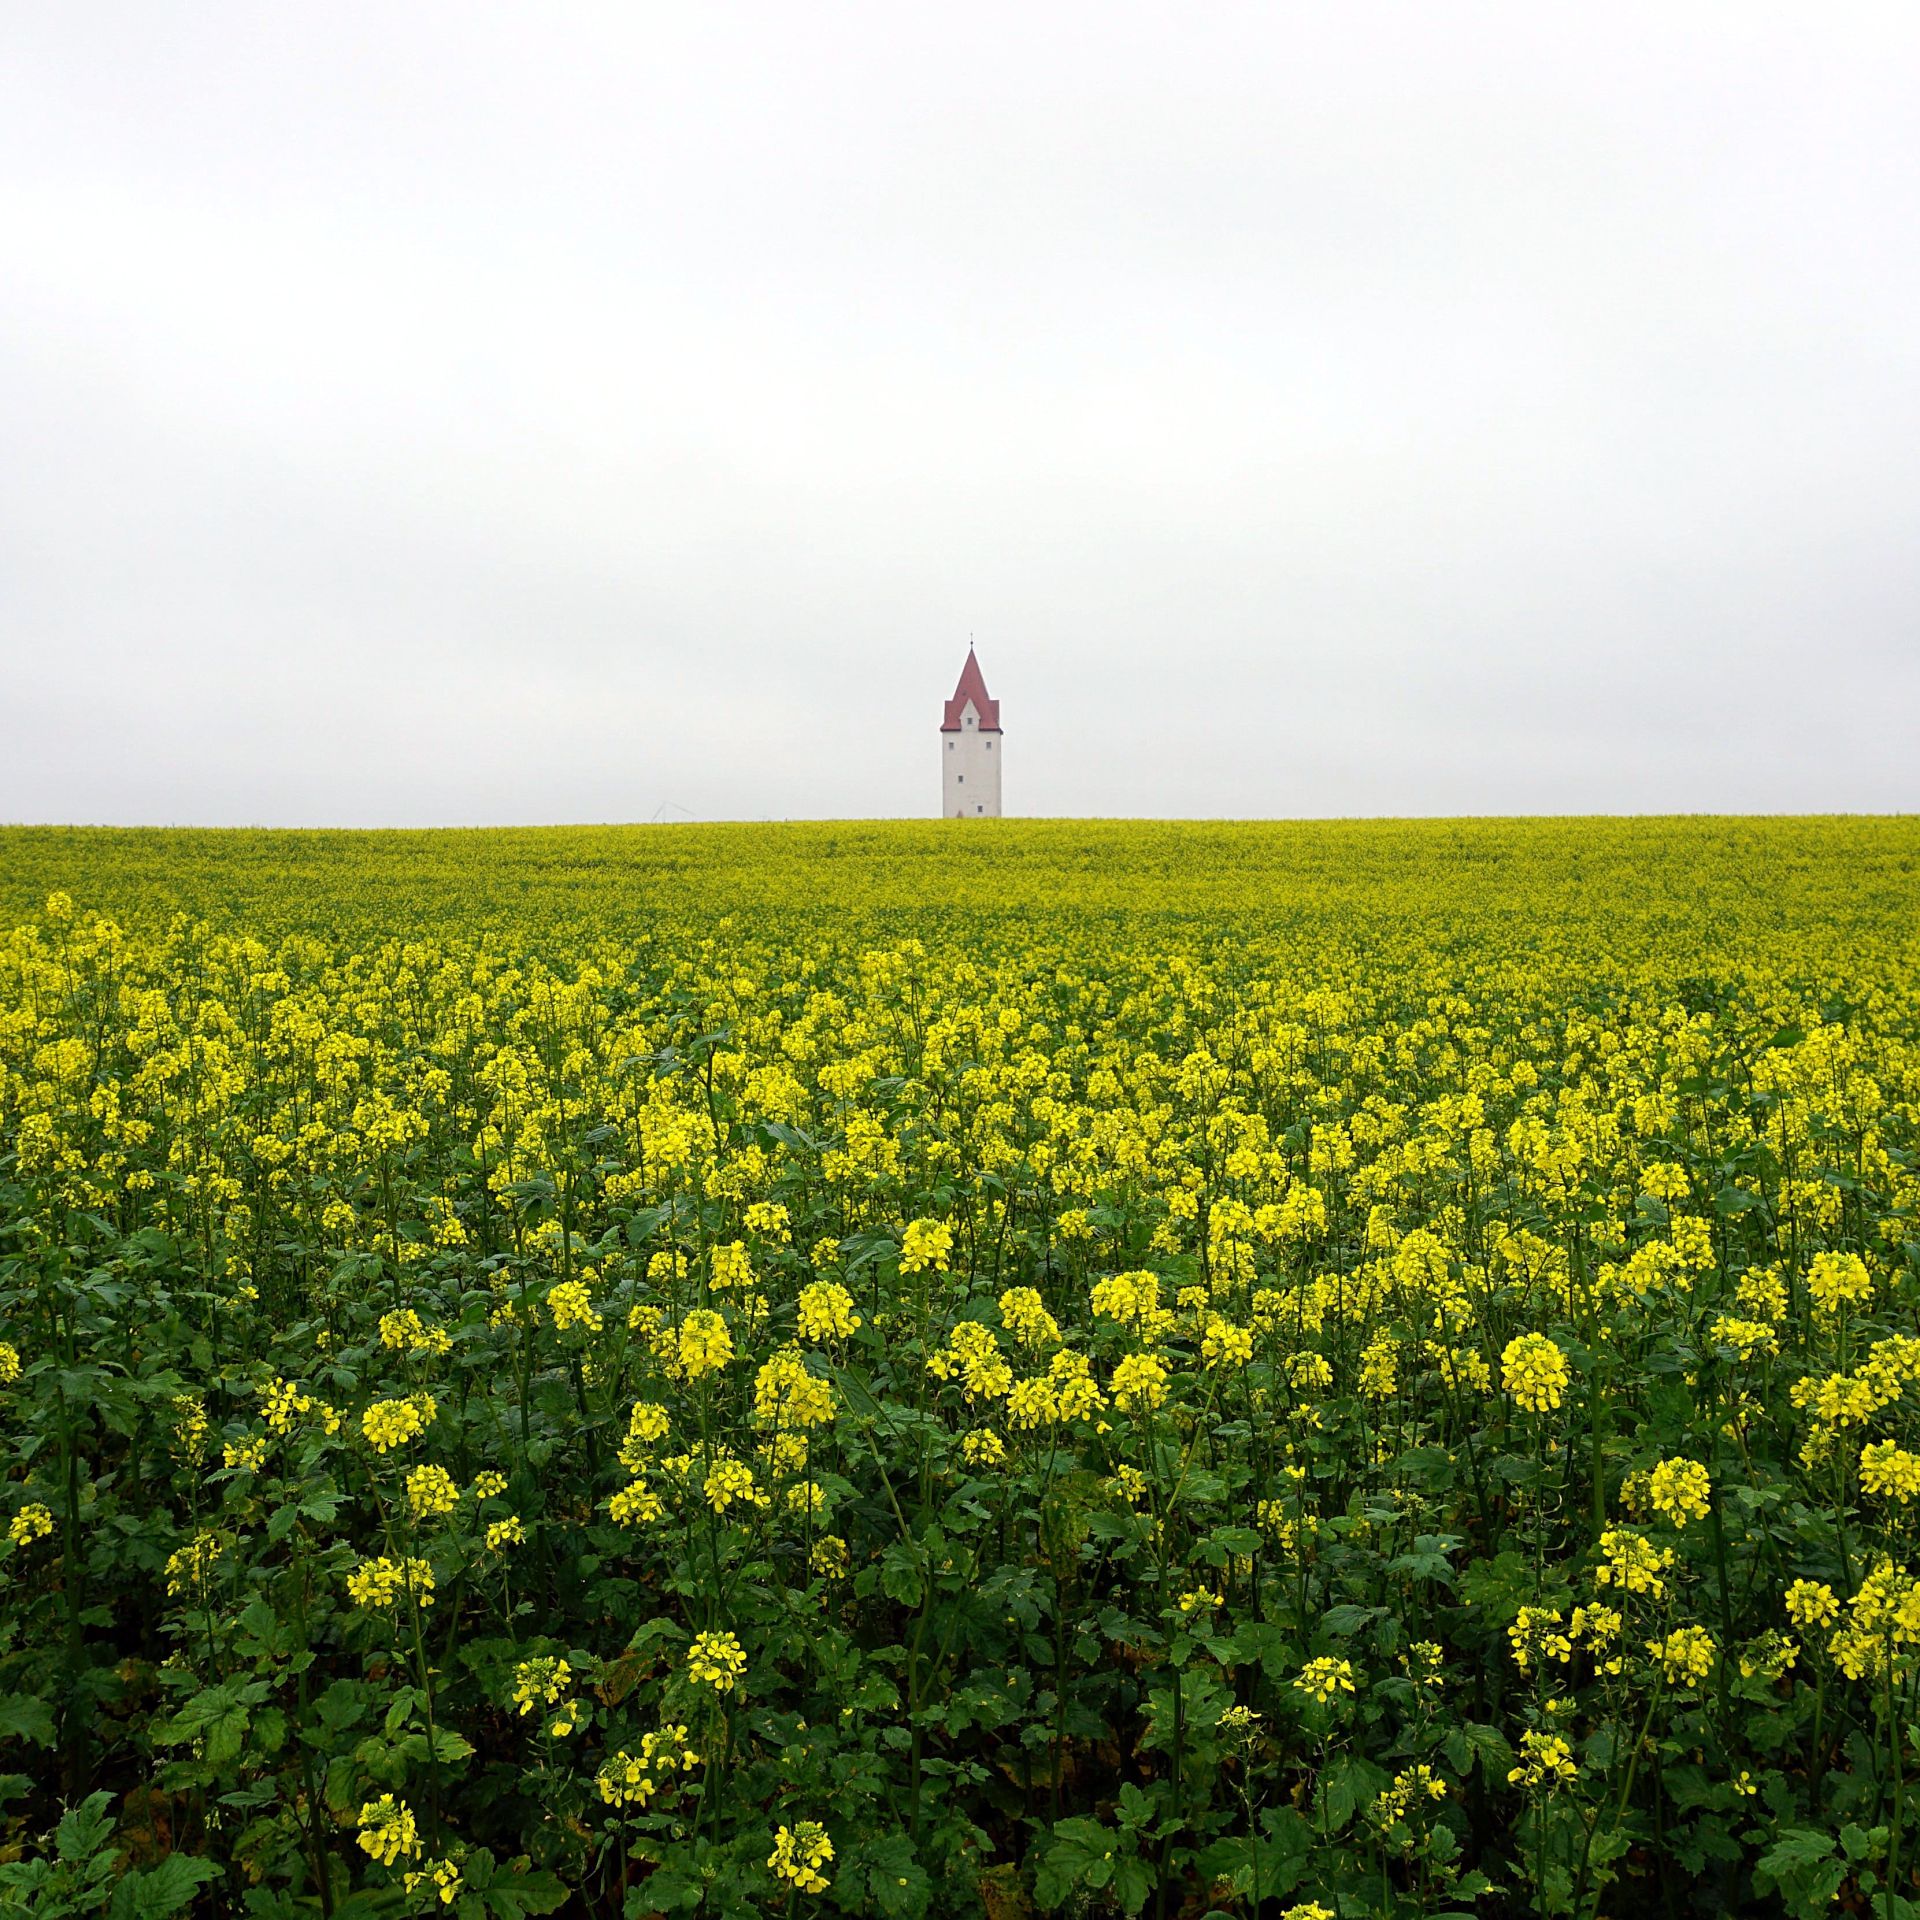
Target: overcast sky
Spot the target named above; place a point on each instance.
(457, 413)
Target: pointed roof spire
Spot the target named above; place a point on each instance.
(973, 686)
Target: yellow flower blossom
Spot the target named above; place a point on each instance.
(800, 1855)
(716, 1660)
(826, 1312)
(1534, 1371)
(392, 1423)
(1679, 1489)
(1686, 1655)
(388, 1831)
(1324, 1678)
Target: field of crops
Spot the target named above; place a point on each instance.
(1347, 1370)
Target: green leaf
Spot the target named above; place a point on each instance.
(1800, 1865)
(218, 1716)
(1079, 1853)
(1348, 1784)
(1282, 1859)
(1349, 1619)
(85, 1829)
(342, 1705)
(1430, 1565)
(1862, 1843)
(25, 1716)
(896, 1881)
(900, 1574)
(161, 1890)
(515, 1891)
(1796, 1847)
(665, 1891)
(1231, 1540)
(1132, 1882)
(1489, 1746)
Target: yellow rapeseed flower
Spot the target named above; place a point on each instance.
(1323, 1678)
(1811, 1603)
(1680, 1490)
(799, 1855)
(388, 1831)
(1686, 1655)
(392, 1423)
(1535, 1372)
(716, 1660)
(926, 1246)
(33, 1522)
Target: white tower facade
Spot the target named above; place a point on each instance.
(971, 749)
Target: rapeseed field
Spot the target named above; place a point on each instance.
(966, 1369)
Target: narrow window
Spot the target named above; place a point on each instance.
(960, 779)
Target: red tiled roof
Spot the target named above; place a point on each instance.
(972, 687)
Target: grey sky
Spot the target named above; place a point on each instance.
(454, 413)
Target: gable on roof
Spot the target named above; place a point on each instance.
(973, 686)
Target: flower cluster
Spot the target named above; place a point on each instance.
(799, 1856)
(33, 1522)
(1325, 1678)
(926, 1247)
(392, 1423)
(1680, 1490)
(632, 1779)
(1535, 1372)
(385, 1582)
(716, 1660)
(1546, 1763)
(825, 1313)
(388, 1831)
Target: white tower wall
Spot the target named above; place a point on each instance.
(970, 758)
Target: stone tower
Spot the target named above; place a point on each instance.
(970, 749)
